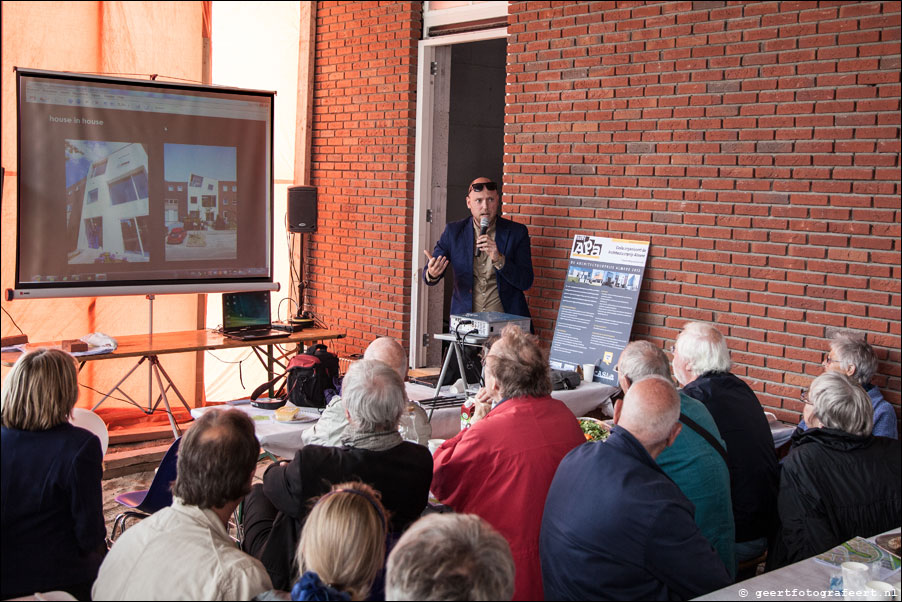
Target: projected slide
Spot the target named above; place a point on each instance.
(134, 187)
(200, 202)
(106, 202)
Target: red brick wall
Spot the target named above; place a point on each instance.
(756, 145)
(364, 114)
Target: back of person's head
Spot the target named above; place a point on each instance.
(650, 410)
(375, 396)
(343, 540)
(840, 403)
(854, 350)
(216, 460)
(519, 364)
(704, 348)
(40, 390)
(450, 557)
(390, 351)
(642, 358)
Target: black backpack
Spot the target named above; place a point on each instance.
(312, 378)
(564, 380)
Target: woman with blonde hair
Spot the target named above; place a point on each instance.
(52, 503)
(342, 545)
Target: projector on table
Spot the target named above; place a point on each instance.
(486, 323)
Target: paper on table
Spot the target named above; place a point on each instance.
(860, 550)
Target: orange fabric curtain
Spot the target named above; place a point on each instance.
(134, 39)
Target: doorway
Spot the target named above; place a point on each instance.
(460, 136)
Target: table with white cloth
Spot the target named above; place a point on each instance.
(807, 579)
(284, 438)
(278, 438)
(581, 400)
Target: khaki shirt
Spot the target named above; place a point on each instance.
(179, 553)
(485, 283)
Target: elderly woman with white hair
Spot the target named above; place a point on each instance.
(839, 480)
(372, 451)
(850, 354)
(701, 363)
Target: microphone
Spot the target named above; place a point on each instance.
(483, 228)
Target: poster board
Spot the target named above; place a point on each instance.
(598, 304)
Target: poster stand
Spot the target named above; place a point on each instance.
(598, 304)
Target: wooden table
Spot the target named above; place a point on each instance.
(148, 347)
(161, 343)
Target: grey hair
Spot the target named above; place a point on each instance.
(704, 348)
(840, 403)
(519, 364)
(854, 350)
(450, 557)
(375, 396)
(642, 358)
(650, 409)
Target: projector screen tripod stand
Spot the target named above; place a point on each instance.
(154, 369)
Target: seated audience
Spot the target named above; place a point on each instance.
(500, 468)
(701, 363)
(332, 424)
(450, 557)
(373, 452)
(854, 357)
(184, 552)
(342, 546)
(839, 480)
(52, 503)
(696, 461)
(615, 526)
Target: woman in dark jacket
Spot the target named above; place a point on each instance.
(839, 481)
(52, 502)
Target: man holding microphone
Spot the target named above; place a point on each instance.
(490, 255)
(491, 258)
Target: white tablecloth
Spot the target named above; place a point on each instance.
(581, 400)
(807, 579)
(284, 439)
(279, 438)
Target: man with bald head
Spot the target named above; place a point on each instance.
(697, 460)
(333, 422)
(490, 256)
(615, 526)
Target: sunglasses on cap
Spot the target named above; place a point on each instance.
(488, 186)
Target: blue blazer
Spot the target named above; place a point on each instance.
(512, 239)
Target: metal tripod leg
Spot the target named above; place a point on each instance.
(155, 366)
(454, 349)
(116, 386)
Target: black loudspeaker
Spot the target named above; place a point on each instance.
(302, 209)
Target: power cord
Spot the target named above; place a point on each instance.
(11, 319)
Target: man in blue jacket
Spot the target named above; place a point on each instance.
(615, 526)
(490, 255)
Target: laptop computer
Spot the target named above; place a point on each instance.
(246, 316)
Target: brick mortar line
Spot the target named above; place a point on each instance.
(759, 253)
(755, 27)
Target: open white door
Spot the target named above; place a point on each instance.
(430, 184)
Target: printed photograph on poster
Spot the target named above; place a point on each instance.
(598, 304)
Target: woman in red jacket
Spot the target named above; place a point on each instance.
(502, 466)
